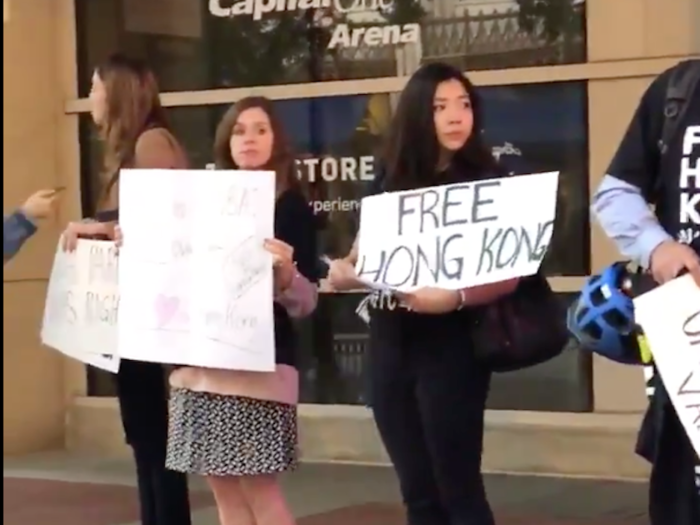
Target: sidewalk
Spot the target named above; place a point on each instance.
(58, 489)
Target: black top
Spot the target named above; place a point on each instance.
(665, 180)
(295, 224)
(389, 317)
(107, 215)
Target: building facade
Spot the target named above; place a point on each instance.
(560, 82)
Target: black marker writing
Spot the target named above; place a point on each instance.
(504, 247)
(442, 207)
(435, 259)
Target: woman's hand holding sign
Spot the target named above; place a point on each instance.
(439, 301)
(342, 275)
(282, 263)
(432, 300)
(86, 229)
(118, 236)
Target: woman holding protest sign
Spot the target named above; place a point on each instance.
(428, 392)
(131, 122)
(236, 428)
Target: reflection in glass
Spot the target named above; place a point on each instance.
(544, 127)
(564, 384)
(205, 44)
(337, 139)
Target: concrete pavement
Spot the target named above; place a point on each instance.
(61, 489)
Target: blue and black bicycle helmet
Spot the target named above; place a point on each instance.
(602, 318)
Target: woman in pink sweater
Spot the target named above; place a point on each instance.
(239, 429)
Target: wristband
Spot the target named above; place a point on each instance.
(462, 298)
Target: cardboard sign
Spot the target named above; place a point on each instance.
(196, 284)
(82, 304)
(670, 318)
(458, 235)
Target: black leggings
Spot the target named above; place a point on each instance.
(674, 493)
(163, 493)
(428, 399)
(143, 401)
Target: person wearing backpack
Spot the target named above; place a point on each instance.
(658, 164)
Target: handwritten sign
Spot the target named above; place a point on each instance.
(196, 284)
(82, 304)
(670, 318)
(457, 235)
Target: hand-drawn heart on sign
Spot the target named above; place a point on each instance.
(166, 307)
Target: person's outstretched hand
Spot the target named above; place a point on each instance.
(88, 229)
(40, 205)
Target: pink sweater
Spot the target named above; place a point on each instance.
(282, 385)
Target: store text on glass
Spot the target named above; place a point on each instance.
(331, 12)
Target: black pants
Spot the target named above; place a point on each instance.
(143, 401)
(163, 494)
(428, 398)
(674, 495)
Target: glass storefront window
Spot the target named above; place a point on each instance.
(532, 128)
(334, 358)
(207, 44)
(544, 127)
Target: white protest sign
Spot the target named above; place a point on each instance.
(196, 284)
(457, 235)
(82, 302)
(670, 318)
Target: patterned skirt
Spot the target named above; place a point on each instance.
(217, 435)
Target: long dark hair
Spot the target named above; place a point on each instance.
(282, 161)
(412, 151)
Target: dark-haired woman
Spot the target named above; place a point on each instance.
(428, 393)
(239, 429)
(131, 123)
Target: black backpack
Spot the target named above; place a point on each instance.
(681, 86)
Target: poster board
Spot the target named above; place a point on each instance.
(457, 235)
(196, 284)
(670, 318)
(82, 304)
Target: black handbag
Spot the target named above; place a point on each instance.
(520, 330)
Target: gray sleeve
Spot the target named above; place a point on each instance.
(627, 219)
